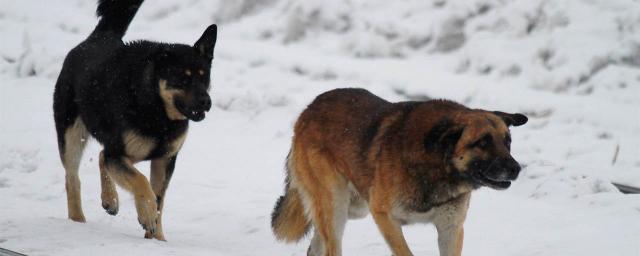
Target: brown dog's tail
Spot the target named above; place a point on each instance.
(288, 219)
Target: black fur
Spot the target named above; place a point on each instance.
(432, 141)
(442, 137)
(434, 193)
(370, 133)
(277, 209)
(116, 15)
(171, 165)
(373, 127)
(372, 130)
(113, 86)
(280, 203)
(516, 119)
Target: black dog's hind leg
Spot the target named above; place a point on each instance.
(109, 194)
(161, 172)
(75, 137)
(72, 138)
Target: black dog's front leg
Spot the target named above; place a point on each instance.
(122, 171)
(161, 172)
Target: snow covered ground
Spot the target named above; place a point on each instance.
(572, 66)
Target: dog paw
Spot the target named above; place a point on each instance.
(158, 235)
(77, 218)
(149, 225)
(148, 217)
(110, 207)
(109, 197)
(148, 235)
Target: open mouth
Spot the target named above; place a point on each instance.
(492, 183)
(195, 115)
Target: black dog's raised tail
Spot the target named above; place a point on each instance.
(116, 15)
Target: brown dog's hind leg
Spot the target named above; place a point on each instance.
(161, 172)
(329, 225)
(327, 196)
(75, 139)
(109, 194)
(316, 247)
(122, 171)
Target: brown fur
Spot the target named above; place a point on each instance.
(76, 137)
(168, 96)
(132, 180)
(293, 223)
(159, 186)
(350, 146)
(109, 193)
(137, 147)
(176, 145)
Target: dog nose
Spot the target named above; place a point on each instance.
(203, 101)
(514, 168)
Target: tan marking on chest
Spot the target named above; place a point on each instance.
(168, 95)
(136, 146)
(176, 144)
(453, 213)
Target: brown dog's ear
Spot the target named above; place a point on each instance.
(207, 41)
(516, 119)
(443, 136)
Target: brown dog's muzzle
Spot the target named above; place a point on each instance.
(496, 173)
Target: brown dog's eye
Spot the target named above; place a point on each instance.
(507, 141)
(484, 142)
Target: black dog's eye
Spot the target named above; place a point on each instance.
(484, 142)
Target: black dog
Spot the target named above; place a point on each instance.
(136, 99)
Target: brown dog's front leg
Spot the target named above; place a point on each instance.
(450, 240)
(392, 233)
(450, 226)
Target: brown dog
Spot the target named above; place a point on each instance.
(407, 162)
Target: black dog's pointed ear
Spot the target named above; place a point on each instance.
(516, 119)
(443, 136)
(207, 41)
